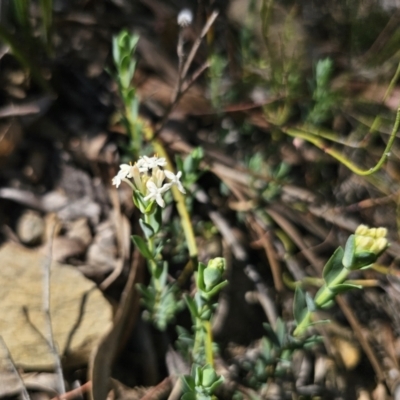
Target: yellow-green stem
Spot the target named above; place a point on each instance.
(321, 299)
(294, 132)
(179, 199)
(208, 343)
(152, 263)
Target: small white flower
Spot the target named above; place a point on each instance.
(116, 180)
(154, 193)
(145, 163)
(158, 176)
(185, 17)
(175, 179)
(125, 171)
(135, 172)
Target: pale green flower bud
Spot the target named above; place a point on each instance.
(362, 230)
(379, 245)
(363, 243)
(381, 232)
(137, 178)
(372, 232)
(370, 240)
(213, 273)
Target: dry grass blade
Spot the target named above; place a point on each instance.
(127, 312)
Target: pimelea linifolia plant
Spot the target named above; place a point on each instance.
(150, 181)
(204, 380)
(361, 251)
(123, 50)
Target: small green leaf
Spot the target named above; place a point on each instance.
(188, 383)
(189, 396)
(327, 305)
(344, 287)
(334, 266)
(209, 376)
(164, 274)
(349, 250)
(142, 246)
(271, 334)
(211, 293)
(115, 50)
(156, 219)
(281, 332)
(197, 374)
(364, 260)
(216, 383)
(191, 306)
(133, 41)
(299, 305)
(310, 303)
(266, 347)
(200, 277)
(146, 228)
(139, 202)
(150, 208)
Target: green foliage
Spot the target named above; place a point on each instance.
(123, 50)
(161, 302)
(203, 380)
(275, 354)
(201, 383)
(190, 167)
(218, 64)
(277, 175)
(361, 250)
(25, 44)
(324, 98)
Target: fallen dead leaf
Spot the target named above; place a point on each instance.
(21, 279)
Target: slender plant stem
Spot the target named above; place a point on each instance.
(46, 310)
(294, 132)
(208, 340)
(152, 263)
(322, 298)
(178, 197)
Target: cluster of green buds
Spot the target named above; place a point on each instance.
(149, 181)
(201, 384)
(123, 50)
(203, 381)
(362, 249)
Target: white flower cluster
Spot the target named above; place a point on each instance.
(148, 176)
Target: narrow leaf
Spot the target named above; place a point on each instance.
(334, 266)
(299, 305)
(146, 228)
(281, 332)
(142, 246)
(271, 334)
(344, 287)
(349, 250)
(310, 303)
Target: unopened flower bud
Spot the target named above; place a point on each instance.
(381, 232)
(363, 243)
(361, 230)
(213, 272)
(371, 240)
(379, 245)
